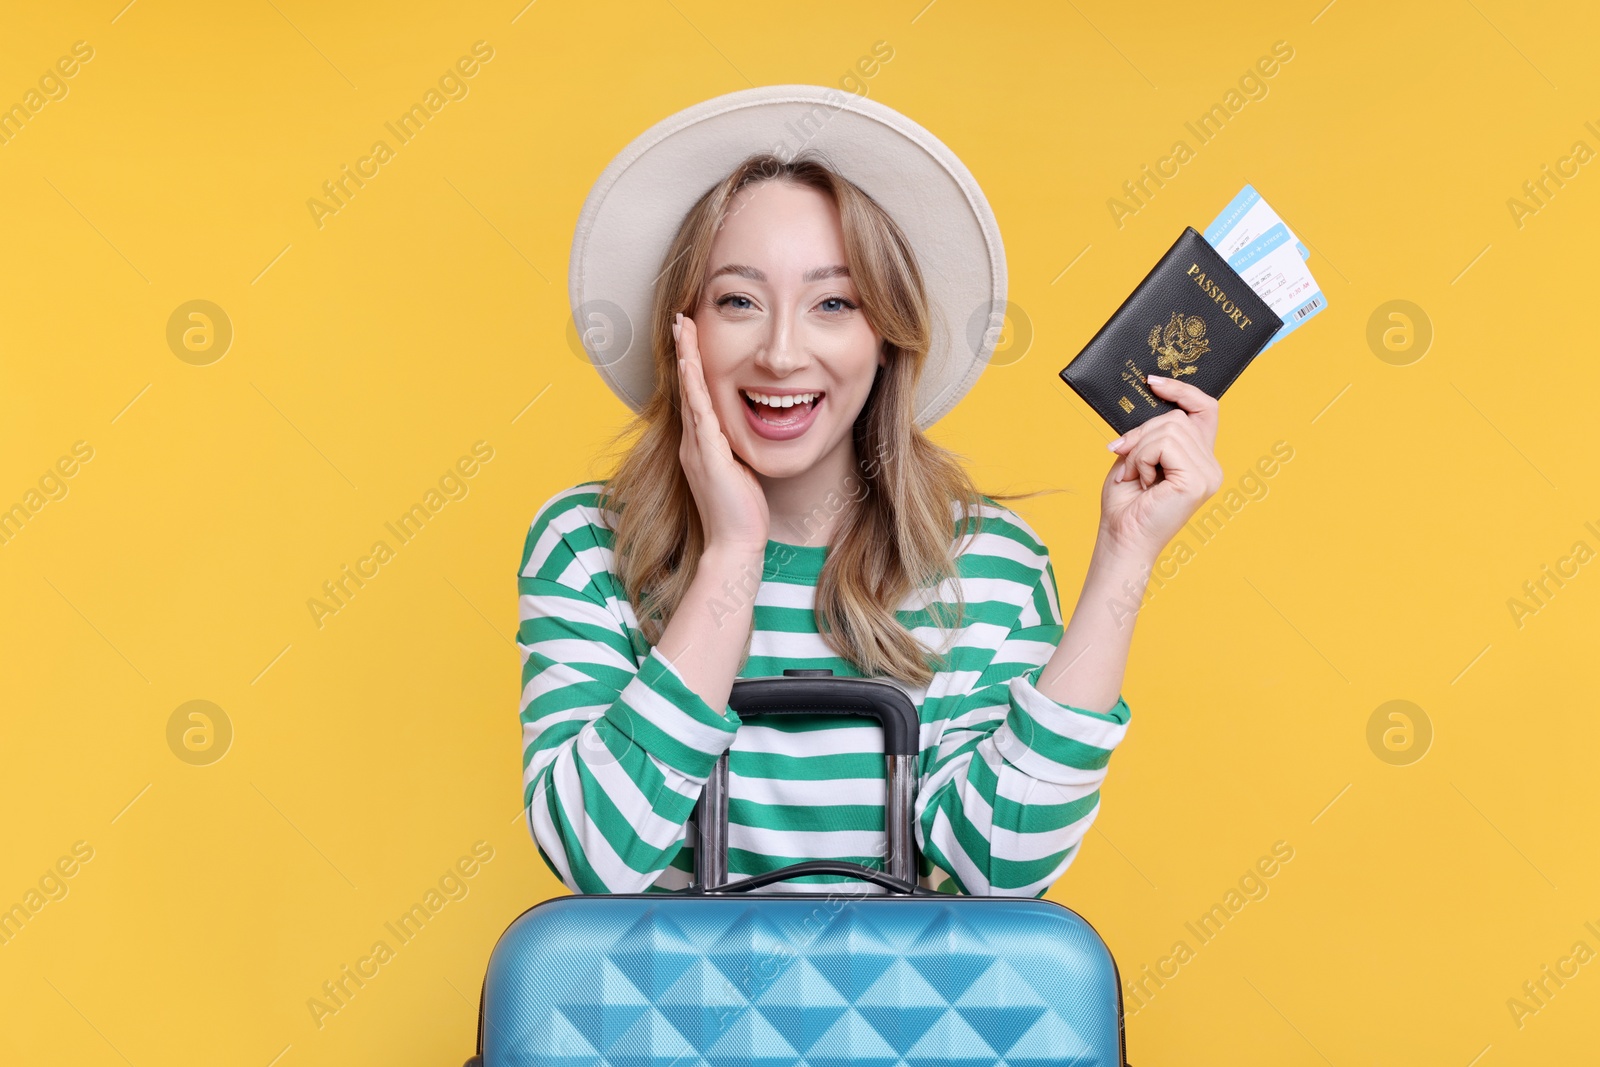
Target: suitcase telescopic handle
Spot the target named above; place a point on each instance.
(818, 692)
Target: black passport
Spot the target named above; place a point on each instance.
(1192, 318)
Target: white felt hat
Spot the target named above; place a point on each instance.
(641, 198)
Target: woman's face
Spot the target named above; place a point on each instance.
(781, 318)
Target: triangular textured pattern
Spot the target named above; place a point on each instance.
(950, 1042)
(1000, 1005)
(851, 953)
(901, 1004)
(561, 1045)
(950, 954)
(701, 1003)
(751, 953)
(603, 1007)
(652, 1042)
(751, 1041)
(1050, 1042)
(801, 1004)
(852, 1042)
(800, 981)
(654, 953)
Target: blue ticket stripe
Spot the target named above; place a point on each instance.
(1247, 199)
(1267, 242)
(1253, 251)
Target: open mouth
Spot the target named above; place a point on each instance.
(789, 409)
(781, 416)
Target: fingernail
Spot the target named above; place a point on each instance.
(1113, 445)
(1154, 378)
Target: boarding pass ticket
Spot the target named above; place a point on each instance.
(1259, 245)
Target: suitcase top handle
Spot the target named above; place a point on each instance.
(818, 692)
(852, 870)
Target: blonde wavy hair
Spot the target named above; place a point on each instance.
(900, 535)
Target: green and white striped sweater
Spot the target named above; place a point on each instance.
(617, 748)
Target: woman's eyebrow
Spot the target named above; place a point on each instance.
(815, 274)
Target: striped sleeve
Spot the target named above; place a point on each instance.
(1012, 783)
(615, 750)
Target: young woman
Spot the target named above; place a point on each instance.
(780, 508)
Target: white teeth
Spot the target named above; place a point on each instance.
(781, 401)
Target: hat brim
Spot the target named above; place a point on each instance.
(637, 204)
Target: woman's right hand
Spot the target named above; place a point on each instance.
(732, 504)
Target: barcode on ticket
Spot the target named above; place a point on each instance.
(1311, 305)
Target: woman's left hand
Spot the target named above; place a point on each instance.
(1164, 471)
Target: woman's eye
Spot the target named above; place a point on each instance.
(833, 305)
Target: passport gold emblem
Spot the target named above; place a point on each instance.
(1126, 405)
(1179, 344)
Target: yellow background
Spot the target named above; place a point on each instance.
(368, 355)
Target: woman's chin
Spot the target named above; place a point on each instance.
(774, 459)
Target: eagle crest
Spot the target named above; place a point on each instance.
(1179, 344)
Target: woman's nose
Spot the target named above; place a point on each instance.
(782, 351)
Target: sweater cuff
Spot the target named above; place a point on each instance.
(1057, 742)
(658, 711)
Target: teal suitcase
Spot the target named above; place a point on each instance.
(883, 975)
